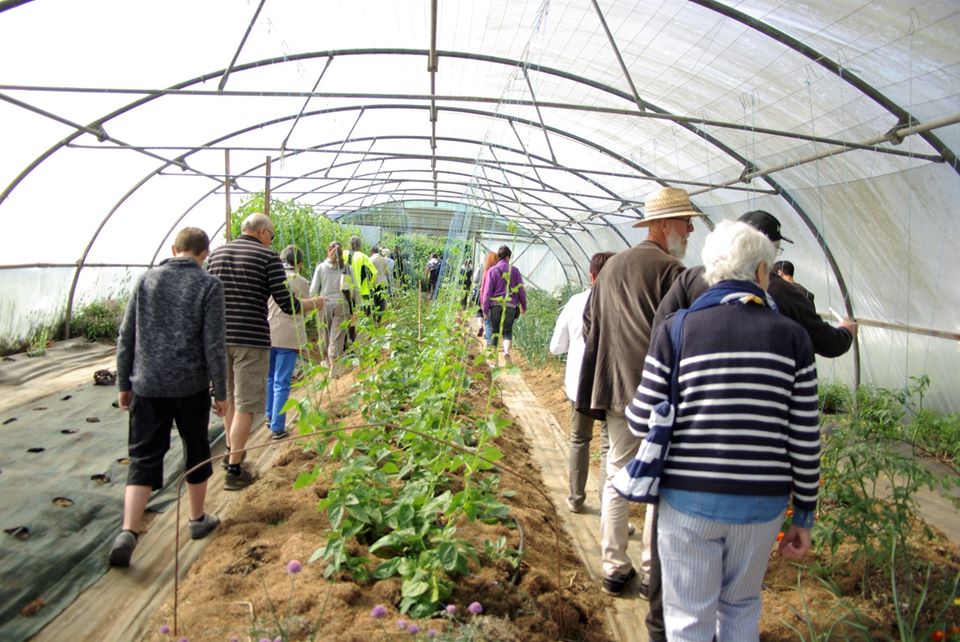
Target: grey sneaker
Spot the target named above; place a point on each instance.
(123, 549)
(236, 482)
(574, 507)
(203, 526)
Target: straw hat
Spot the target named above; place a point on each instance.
(666, 203)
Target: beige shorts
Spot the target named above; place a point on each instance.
(247, 378)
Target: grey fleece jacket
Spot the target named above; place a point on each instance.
(172, 340)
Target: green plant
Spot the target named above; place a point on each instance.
(392, 502)
(38, 343)
(100, 319)
(917, 619)
(834, 397)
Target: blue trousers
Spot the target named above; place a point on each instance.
(279, 375)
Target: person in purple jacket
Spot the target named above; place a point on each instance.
(504, 299)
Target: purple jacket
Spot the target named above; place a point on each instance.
(496, 287)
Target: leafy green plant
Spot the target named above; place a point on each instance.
(392, 502)
(834, 397)
(38, 343)
(100, 319)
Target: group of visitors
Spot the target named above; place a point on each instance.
(234, 331)
(736, 380)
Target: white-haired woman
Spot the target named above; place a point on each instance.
(745, 442)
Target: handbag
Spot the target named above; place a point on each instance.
(639, 480)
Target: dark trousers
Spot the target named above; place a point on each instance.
(151, 421)
(655, 626)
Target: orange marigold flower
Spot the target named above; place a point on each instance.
(780, 536)
(821, 482)
(937, 636)
(790, 512)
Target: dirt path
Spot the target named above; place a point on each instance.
(551, 445)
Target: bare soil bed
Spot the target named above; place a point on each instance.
(240, 588)
(784, 600)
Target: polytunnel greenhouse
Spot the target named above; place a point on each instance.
(422, 483)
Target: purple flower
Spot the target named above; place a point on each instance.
(476, 608)
(294, 566)
(401, 624)
(432, 633)
(378, 611)
(451, 609)
(234, 639)
(413, 629)
(165, 629)
(183, 639)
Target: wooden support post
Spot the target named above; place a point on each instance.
(226, 191)
(266, 189)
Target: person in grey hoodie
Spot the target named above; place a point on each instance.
(171, 349)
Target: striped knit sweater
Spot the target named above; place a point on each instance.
(747, 420)
(251, 274)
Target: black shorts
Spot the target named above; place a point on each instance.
(509, 317)
(151, 421)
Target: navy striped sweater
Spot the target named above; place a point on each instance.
(747, 421)
(251, 274)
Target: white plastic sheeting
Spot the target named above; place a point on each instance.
(529, 114)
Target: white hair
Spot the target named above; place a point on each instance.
(734, 250)
(255, 222)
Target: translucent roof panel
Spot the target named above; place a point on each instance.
(120, 121)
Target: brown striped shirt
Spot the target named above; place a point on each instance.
(251, 274)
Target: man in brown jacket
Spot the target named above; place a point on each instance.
(616, 327)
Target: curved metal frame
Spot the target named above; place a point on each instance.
(709, 4)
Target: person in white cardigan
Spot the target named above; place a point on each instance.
(568, 339)
(326, 283)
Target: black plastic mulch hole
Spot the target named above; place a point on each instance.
(101, 478)
(9, 421)
(124, 460)
(35, 449)
(93, 420)
(20, 532)
(65, 502)
(67, 397)
(40, 408)
(68, 431)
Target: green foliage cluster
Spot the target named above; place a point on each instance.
(533, 330)
(420, 465)
(38, 343)
(414, 250)
(834, 397)
(100, 319)
(872, 470)
(296, 224)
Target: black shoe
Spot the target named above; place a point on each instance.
(279, 436)
(123, 549)
(241, 480)
(643, 589)
(614, 584)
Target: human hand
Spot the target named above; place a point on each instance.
(795, 543)
(219, 407)
(124, 398)
(849, 326)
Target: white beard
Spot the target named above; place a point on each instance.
(676, 245)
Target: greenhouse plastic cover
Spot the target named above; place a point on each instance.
(840, 118)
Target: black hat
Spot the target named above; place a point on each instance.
(764, 222)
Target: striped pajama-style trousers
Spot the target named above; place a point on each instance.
(712, 573)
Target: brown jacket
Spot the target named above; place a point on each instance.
(616, 326)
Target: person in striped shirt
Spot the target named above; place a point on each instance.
(251, 273)
(746, 442)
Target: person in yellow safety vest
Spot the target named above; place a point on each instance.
(364, 272)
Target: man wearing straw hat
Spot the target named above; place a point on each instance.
(616, 329)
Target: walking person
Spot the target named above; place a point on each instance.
(488, 262)
(745, 441)
(176, 310)
(567, 339)
(381, 282)
(616, 326)
(505, 299)
(288, 335)
(336, 308)
(251, 273)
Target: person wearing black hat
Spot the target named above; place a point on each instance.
(828, 341)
